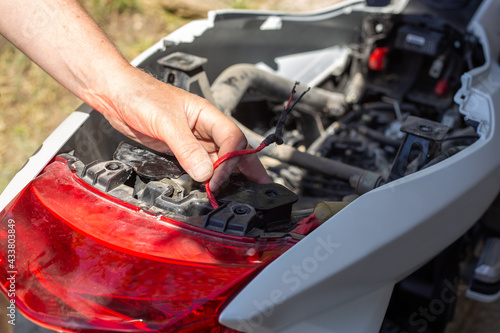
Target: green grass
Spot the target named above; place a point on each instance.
(241, 4)
(102, 9)
(32, 105)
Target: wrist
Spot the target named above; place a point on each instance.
(106, 91)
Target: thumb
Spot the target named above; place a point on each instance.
(192, 156)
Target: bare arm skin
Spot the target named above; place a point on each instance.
(63, 40)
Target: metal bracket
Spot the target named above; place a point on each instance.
(419, 146)
(186, 72)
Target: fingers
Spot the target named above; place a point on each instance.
(214, 129)
(194, 159)
(187, 149)
(191, 127)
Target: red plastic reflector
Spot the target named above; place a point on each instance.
(377, 59)
(83, 261)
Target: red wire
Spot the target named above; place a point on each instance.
(238, 153)
(223, 159)
(211, 196)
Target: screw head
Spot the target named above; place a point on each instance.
(425, 128)
(272, 193)
(113, 166)
(240, 210)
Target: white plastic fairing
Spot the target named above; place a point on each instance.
(315, 65)
(333, 320)
(188, 32)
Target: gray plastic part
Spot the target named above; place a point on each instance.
(388, 233)
(482, 297)
(488, 268)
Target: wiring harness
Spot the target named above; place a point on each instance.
(276, 137)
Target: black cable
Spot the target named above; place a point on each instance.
(277, 136)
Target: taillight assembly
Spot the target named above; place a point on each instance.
(84, 261)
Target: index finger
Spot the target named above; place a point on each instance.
(229, 138)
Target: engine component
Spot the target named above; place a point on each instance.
(419, 146)
(272, 202)
(234, 219)
(318, 164)
(149, 180)
(355, 89)
(247, 205)
(186, 71)
(148, 164)
(378, 60)
(105, 176)
(418, 40)
(230, 86)
(325, 210)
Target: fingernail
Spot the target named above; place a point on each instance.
(202, 171)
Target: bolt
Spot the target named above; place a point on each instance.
(113, 166)
(425, 128)
(271, 193)
(240, 210)
(169, 191)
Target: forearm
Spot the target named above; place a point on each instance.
(61, 38)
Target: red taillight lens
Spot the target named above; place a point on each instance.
(88, 262)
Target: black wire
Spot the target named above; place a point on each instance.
(277, 136)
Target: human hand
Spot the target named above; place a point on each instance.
(171, 120)
(153, 113)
